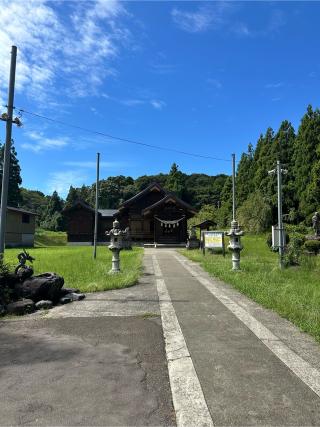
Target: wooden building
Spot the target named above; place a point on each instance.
(80, 223)
(20, 228)
(153, 215)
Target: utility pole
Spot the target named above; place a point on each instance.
(7, 151)
(279, 173)
(233, 187)
(235, 232)
(96, 210)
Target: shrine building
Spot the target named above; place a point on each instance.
(153, 216)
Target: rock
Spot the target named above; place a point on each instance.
(75, 297)
(24, 273)
(65, 300)
(3, 310)
(44, 305)
(65, 291)
(46, 286)
(21, 307)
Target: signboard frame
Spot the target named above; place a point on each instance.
(208, 245)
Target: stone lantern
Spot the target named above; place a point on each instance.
(117, 238)
(235, 244)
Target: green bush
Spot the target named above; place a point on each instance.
(293, 252)
(297, 228)
(255, 214)
(312, 246)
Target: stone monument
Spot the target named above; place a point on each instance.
(117, 238)
(316, 224)
(192, 242)
(235, 244)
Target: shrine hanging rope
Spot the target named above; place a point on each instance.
(169, 224)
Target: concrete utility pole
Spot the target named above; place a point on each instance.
(233, 187)
(279, 173)
(7, 151)
(96, 210)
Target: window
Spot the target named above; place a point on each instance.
(25, 218)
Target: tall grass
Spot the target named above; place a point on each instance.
(293, 292)
(79, 269)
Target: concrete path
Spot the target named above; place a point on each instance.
(254, 368)
(179, 349)
(98, 362)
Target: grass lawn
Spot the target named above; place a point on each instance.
(79, 270)
(294, 292)
(44, 238)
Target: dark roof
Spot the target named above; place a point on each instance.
(105, 213)
(108, 213)
(153, 185)
(170, 197)
(21, 210)
(206, 223)
(81, 203)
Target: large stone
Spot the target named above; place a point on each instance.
(44, 305)
(46, 286)
(75, 297)
(66, 291)
(65, 300)
(23, 306)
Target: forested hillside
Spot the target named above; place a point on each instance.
(298, 151)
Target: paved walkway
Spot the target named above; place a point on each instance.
(254, 368)
(179, 348)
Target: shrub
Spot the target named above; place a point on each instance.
(293, 252)
(299, 228)
(255, 213)
(312, 246)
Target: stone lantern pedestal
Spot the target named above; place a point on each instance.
(117, 238)
(235, 244)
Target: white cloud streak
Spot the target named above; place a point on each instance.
(42, 143)
(61, 181)
(77, 48)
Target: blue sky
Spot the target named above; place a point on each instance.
(204, 77)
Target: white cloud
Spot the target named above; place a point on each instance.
(215, 83)
(212, 15)
(92, 165)
(61, 181)
(274, 85)
(42, 143)
(76, 48)
(157, 104)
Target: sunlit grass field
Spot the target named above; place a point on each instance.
(293, 292)
(76, 265)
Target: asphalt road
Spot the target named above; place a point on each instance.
(84, 371)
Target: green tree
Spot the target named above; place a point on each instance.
(52, 218)
(175, 181)
(15, 180)
(306, 157)
(72, 196)
(255, 213)
(245, 175)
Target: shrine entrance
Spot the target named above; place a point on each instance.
(169, 231)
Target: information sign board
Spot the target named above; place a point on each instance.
(213, 240)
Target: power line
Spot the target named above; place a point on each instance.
(130, 141)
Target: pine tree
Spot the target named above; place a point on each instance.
(72, 196)
(306, 157)
(175, 180)
(245, 174)
(15, 180)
